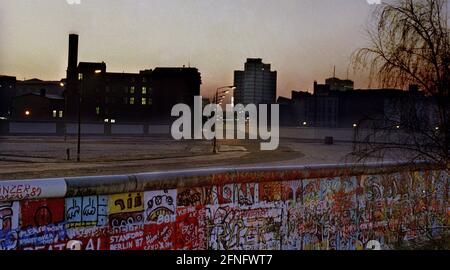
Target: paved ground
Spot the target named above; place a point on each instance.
(39, 157)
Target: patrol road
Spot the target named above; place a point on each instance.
(24, 157)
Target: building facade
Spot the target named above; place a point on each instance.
(132, 97)
(38, 107)
(337, 84)
(256, 84)
(350, 108)
(7, 92)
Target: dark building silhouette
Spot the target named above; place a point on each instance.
(337, 84)
(172, 86)
(36, 85)
(14, 94)
(256, 84)
(7, 92)
(344, 109)
(38, 106)
(71, 92)
(145, 96)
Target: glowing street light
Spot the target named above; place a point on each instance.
(27, 113)
(220, 102)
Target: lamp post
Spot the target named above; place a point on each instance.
(219, 102)
(82, 79)
(80, 93)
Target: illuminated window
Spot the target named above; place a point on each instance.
(131, 100)
(150, 101)
(132, 90)
(54, 113)
(144, 101)
(97, 110)
(80, 76)
(144, 90)
(60, 114)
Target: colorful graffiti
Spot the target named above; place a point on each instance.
(160, 217)
(126, 221)
(334, 213)
(9, 223)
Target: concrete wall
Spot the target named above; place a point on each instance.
(32, 128)
(94, 129)
(332, 207)
(51, 128)
(159, 129)
(310, 133)
(57, 128)
(127, 129)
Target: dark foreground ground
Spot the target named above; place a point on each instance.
(40, 157)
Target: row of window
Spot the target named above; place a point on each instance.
(57, 114)
(144, 90)
(130, 101)
(133, 80)
(144, 101)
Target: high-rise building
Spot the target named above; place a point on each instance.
(256, 84)
(337, 84)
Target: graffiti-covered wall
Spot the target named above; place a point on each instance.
(257, 210)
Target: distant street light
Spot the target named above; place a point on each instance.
(220, 102)
(27, 113)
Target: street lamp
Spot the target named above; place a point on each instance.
(220, 102)
(81, 79)
(80, 92)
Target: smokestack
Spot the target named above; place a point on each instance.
(72, 79)
(73, 56)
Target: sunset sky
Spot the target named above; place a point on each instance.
(302, 39)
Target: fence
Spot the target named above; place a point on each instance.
(267, 208)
